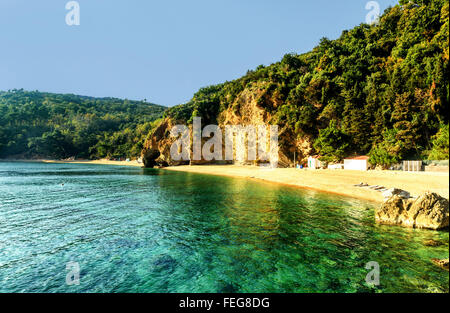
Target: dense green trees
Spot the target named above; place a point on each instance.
(385, 87)
(332, 143)
(35, 124)
(440, 148)
(388, 151)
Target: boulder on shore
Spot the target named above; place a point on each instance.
(429, 211)
(396, 192)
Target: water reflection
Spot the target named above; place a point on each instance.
(140, 230)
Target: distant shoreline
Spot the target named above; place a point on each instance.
(339, 182)
(102, 162)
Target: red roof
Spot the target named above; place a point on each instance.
(361, 157)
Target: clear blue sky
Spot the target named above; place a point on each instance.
(162, 51)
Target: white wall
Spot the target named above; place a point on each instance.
(358, 165)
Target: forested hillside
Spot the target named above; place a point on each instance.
(379, 89)
(45, 125)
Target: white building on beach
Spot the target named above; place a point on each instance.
(359, 163)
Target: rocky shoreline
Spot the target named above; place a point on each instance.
(429, 211)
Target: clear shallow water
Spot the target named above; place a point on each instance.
(136, 230)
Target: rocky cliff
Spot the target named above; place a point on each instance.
(247, 109)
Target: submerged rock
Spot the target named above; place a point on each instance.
(427, 211)
(441, 263)
(433, 243)
(165, 263)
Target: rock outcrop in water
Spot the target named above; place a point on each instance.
(429, 211)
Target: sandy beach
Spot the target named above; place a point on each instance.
(334, 181)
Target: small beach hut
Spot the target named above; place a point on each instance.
(314, 162)
(359, 163)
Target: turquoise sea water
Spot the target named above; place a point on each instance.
(136, 230)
